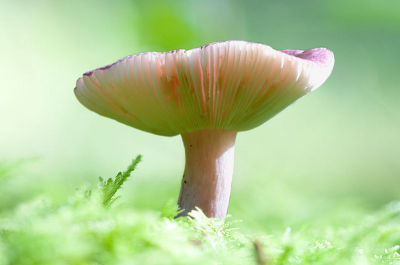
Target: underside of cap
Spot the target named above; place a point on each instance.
(232, 85)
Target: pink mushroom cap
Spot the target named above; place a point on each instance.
(232, 85)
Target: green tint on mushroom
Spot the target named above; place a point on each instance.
(206, 95)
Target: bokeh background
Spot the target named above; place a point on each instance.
(335, 151)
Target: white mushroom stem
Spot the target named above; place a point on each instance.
(207, 179)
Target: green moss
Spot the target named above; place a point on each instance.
(86, 230)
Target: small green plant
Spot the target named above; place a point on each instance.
(110, 187)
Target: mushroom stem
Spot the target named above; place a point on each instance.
(207, 178)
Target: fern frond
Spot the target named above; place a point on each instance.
(110, 186)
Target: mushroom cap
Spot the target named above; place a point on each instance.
(232, 85)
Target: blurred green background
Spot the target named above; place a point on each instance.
(336, 150)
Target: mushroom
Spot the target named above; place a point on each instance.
(207, 95)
